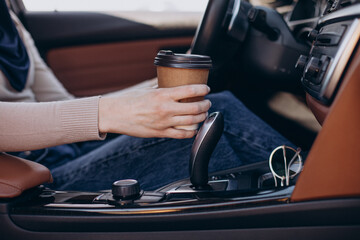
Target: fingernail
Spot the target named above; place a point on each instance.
(208, 89)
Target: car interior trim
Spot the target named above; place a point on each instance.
(332, 168)
(319, 110)
(235, 12)
(79, 68)
(341, 15)
(287, 215)
(338, 64)
(201, 204)
(18, 175)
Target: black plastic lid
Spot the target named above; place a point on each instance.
(166, 58)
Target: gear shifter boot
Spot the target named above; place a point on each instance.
(202, 148)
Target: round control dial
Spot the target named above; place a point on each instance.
(126, 189)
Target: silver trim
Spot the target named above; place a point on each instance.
(347, 12)
(281, 195)
(186, 188)
(338, 64)
(235, 12)
(293, 24)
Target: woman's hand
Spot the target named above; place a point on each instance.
(153, 112)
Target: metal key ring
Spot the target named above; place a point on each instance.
(281, 168)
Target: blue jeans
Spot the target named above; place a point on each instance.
(155, 162)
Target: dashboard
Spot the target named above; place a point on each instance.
(333, 44)
(333, 40)
(317, 37)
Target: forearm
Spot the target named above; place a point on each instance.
(29, 126)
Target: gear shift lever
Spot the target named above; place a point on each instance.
(202, 148)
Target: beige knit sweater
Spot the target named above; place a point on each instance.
(44, 114)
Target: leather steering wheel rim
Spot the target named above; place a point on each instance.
(211, 28)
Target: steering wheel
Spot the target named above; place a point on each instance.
(211, 28)
(216, 33)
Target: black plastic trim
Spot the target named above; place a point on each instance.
(342, 212)
(59, 29)
(9, 231)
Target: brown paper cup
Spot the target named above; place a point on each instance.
(175, 70)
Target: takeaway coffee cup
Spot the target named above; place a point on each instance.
(175, 69)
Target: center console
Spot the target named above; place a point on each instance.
(253, 185)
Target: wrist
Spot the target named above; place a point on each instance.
(103, 124)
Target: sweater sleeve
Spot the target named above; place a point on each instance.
(30, 126)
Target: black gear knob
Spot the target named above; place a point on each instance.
(202, 148)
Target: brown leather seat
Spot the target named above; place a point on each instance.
(18, 175)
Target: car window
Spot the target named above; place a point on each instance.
(116, 5)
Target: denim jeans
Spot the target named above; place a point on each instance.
(155, 162)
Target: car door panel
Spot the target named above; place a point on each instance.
(93, 53)
(100, 68)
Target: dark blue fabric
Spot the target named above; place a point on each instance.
(14, 60)
(155, 162)
(56, 156)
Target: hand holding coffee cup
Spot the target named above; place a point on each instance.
(182, 69)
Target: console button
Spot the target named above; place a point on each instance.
(316, 68)
(325, 61)
(312, 35)
(312, 68)
(330, 35)
(301, 62)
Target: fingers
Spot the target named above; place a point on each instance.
(188, 91)
(188, 119)
(192, 108)
(178, 133)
